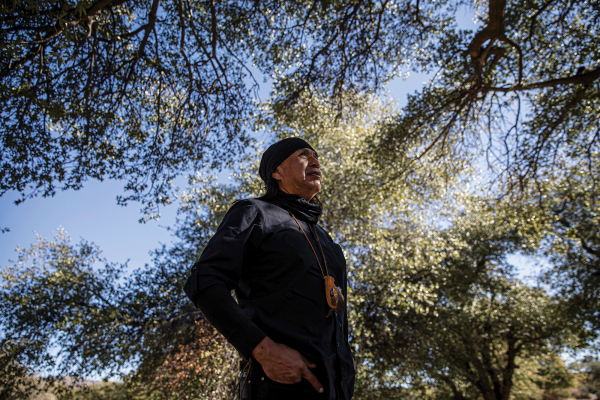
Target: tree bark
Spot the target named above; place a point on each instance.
(494, 30)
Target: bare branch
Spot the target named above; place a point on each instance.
(213, 19)
(582, 79)
(57, 30)
(149, 27)
(494, 29)
(535, 16)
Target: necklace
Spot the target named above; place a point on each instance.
(333, 293)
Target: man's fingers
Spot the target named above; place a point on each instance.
(312, 379)
(308, 363)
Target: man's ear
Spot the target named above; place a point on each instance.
(277, 175)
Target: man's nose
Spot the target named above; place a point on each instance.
(314, 162)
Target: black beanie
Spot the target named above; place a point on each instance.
(278, 153)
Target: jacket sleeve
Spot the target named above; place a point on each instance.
(222, 259)
(225, 314)
(218, 271)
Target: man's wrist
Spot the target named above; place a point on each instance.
(263, 350)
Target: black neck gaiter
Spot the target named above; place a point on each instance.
(301, 208)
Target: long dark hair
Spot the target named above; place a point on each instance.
(272, 188)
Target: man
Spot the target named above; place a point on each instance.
(290, 281)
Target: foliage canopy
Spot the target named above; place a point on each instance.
(144, 91)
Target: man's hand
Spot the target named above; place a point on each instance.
(284, 364)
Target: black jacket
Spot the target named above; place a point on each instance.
(260, 251)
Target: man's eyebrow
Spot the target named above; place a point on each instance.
(314, 152)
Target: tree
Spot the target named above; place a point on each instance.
(524, 87)
(571, 207)
(482, 325)
(589, 372)
(15, 380)
(144, 91)
(104, 322)
(138, 91)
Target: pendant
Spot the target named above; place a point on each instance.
(334, 295)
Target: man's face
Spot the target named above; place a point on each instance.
(300, 174)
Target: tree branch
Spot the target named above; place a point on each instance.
(582, 79)
(534, 18)
(149, 28)
(563, 221)
(494, 29)
(507, 381)
(57, 30)
(213, 17)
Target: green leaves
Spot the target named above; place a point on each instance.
(68, 312)
(111, 90)
(55, 295)
(117, 93)
(573, 206)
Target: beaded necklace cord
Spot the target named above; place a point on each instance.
(332, 293)
(311, 246)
